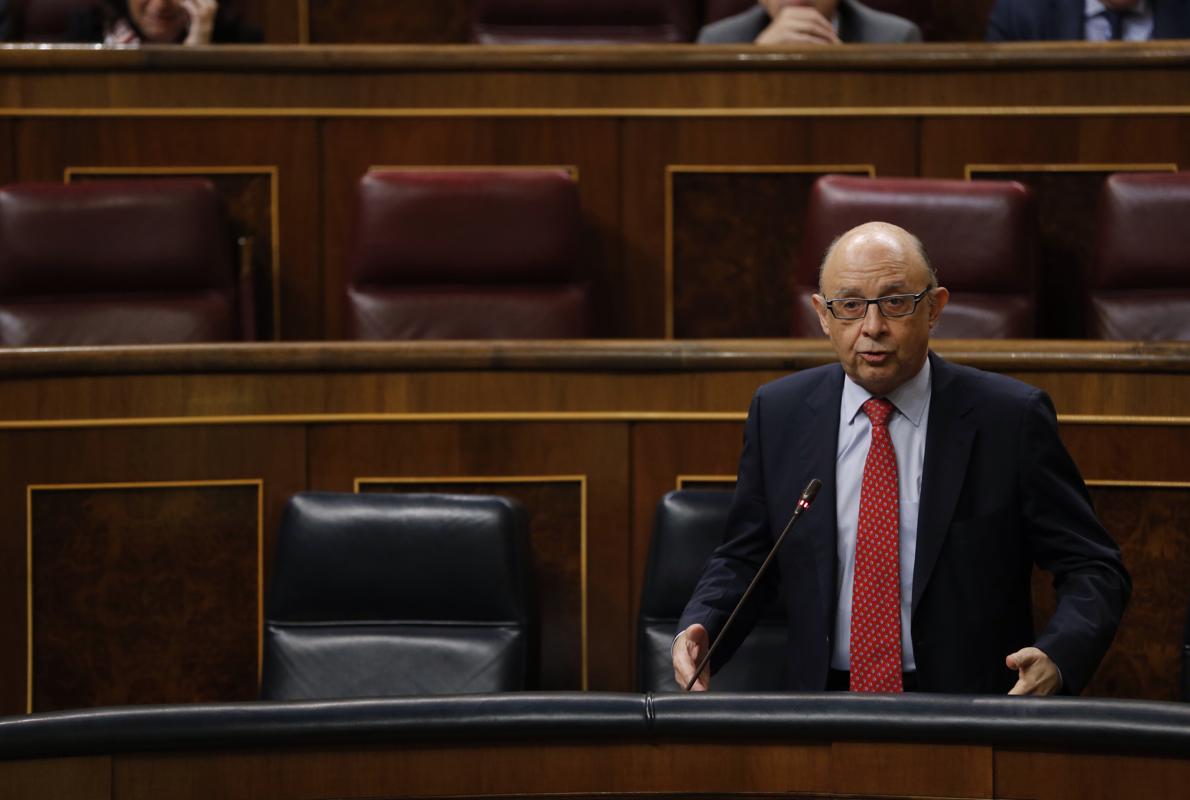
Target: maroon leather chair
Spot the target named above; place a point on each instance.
(1139, 286)
(584, 21)
(465, 254)
(117, 262)
(980, 236)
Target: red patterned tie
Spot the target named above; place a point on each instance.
(876, 595)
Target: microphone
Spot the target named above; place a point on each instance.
(808, 495)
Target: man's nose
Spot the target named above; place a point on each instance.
(873, 322)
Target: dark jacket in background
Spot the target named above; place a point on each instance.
(1055, 20)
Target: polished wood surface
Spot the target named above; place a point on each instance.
(599, 768)
(607, 425)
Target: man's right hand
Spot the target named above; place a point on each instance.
(688, 649)
(798, 25)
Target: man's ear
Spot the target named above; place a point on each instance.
(938, 299)
(823, 313)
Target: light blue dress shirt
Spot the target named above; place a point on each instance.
(1138, 22)
(907, 428)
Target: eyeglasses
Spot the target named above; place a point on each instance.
(891, 306)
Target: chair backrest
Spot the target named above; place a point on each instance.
(1139, 286)
(689, 524)
(117, 262)
(980, 236)
(45, 20)
(386, 594)
(584, 21)
(467, 254)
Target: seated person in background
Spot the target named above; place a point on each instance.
(782, 22)
(1089, 20)
(941, 485)
(158, 22)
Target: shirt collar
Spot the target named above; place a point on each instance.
(1094, 8)
(910, 398)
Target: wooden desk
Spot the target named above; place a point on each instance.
(107, 449)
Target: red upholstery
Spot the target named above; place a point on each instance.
(980, 237)
(584, 21)
(466, 254)
(116, 262)
(1139, 286)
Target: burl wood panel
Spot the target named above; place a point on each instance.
(274, 454)
(47, 147)
(736, 249)
(389, 21)
(248, 199)
(652, 145)
(144, 595)
(524, 453)
(556, 541)
(1065, 203)
(1149, 524)
(351, 147)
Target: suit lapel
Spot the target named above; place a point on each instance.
(817, 448)
(949, 437)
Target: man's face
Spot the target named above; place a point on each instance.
(161, 21)
(825, 7)
(877, 260)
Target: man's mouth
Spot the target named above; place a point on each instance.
(875, 358)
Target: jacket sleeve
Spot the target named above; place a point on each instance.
(1068, 540)
(732, 565)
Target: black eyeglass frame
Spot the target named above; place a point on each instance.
(916, 298)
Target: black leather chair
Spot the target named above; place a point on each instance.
(688, 526)
(386, 594)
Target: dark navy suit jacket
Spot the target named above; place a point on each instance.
(999, 492)
(1044, 20)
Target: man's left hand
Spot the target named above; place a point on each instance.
(1036, 673)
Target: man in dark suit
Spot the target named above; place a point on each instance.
(941, 484)
(1105, 20)
(787, 22)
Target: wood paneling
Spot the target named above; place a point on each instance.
(914, 770)
(1087, 776)
(279, 21)
(144, 594)
(556, 508)
(48, 147)
(435, 453)
(736, 243)
(65, 778)
(592, 146)
(465, 769)
(274, 454)
(652, 146)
